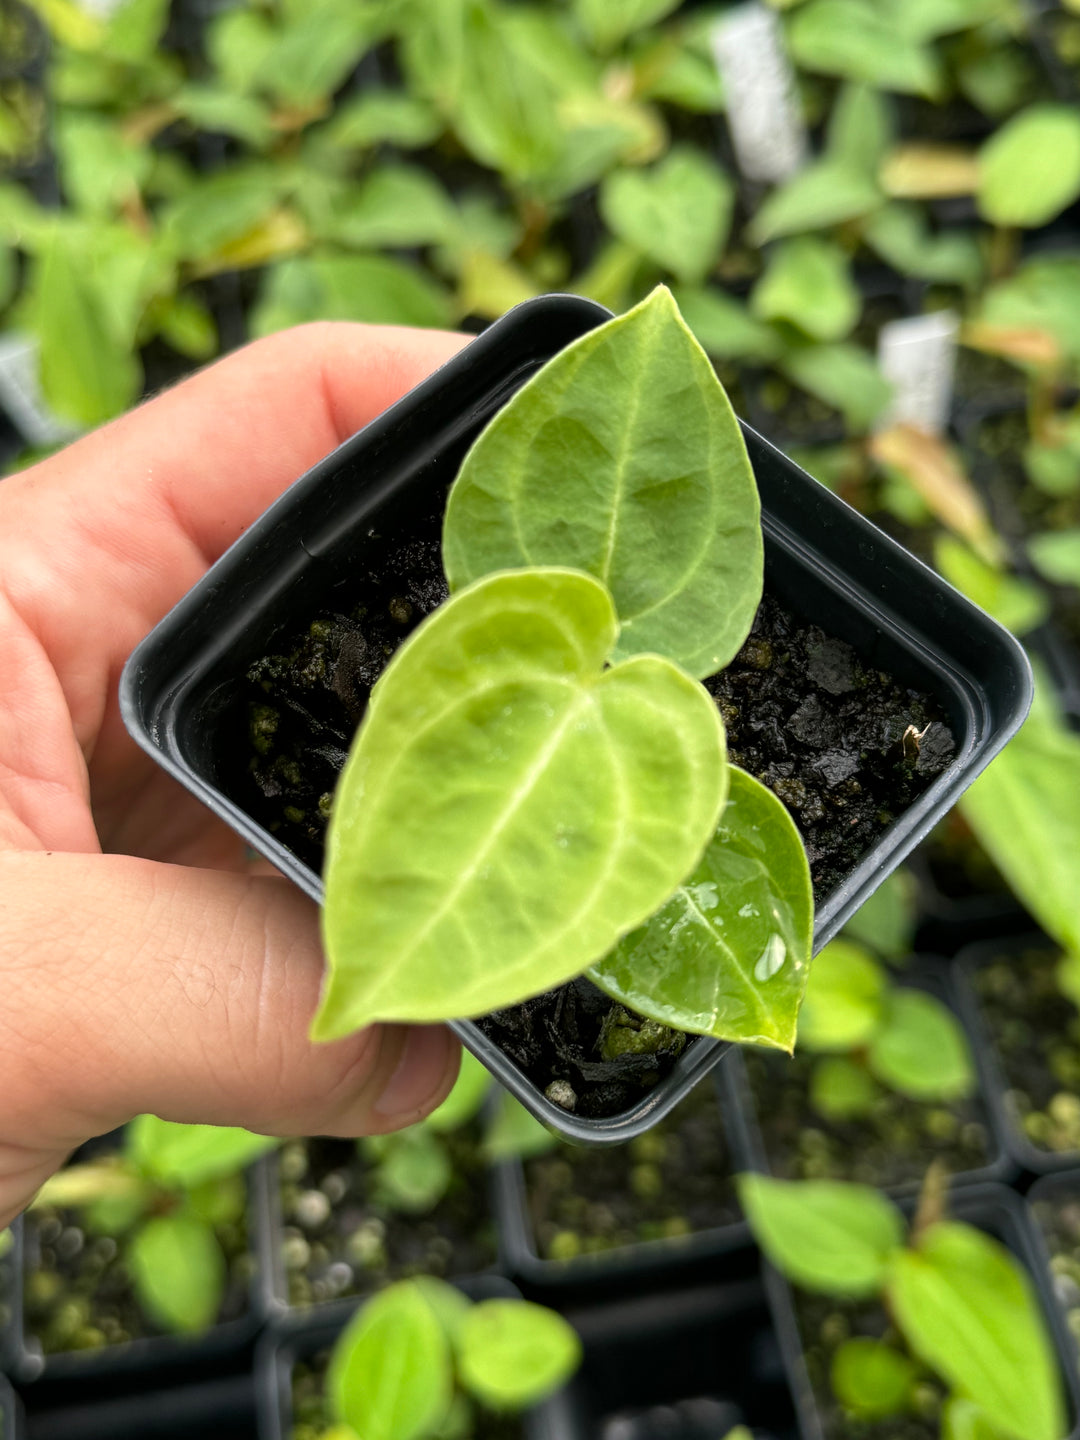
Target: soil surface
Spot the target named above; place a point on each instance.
(341, 1239)
(1058, 1216)
(312, 1419)
(802, 714)
(1036, 1032)
(673, 1181)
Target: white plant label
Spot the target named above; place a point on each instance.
(20, 393)
(918, 358)
(763, 114)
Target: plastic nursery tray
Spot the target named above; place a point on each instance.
(996, 1085)
(222, 1409)
(748, 1142)
(1052, 1190)
(10, 1413)
(823, 560)
(80, 1376)
(993, 1208)
(626, 1266)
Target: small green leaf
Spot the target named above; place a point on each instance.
(1056, 556)
(449, 895)
(724, 327)
(178, 1271)
(825, 1235)
(899, 234)
(629, 431)
(219, 209)
(678, 213)
(398, 205)
(375, 289)
(862, 128)
(188, 326)
(729, 953)
(514, 1134)
(886, 922)
(391, 1372)
(1029, 170)
(189, 1154)
(821, 195)
(844, 999)
(843, 375)
(414, 1171)
(99, 167)
(842, 1089)
(872, 1380)
(317, 49)
(607, 22)
(224, 112)
(969, 1311)
(512, 1353)
(920, 1048)
(1042, 294)
(861, 40)
(808, 282)
(1017, 604)
(465, 1099)
(1053, 468)
(382, 116)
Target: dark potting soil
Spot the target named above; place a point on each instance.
(313, 1420)
(1036, 1032)
(803, 715)
(1058, 1217)
(673, 1181)
(341, 1238)
(78, 1292)
(824, 1324)
(894, 1145)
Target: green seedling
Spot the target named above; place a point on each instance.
(540, 788)
(963, 1334)
(871, 1033)
(419, 1359)
(164, 1194)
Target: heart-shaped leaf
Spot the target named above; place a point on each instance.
(677, 213)
(728, 954)
(808, 282)
(510, 807)
(1029, 170)
(623, 457)
(178, 1269)
(920, 1049)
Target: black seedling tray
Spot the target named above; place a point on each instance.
(1055, 1190)
(823, 561)
(993, 1208)
(10, 1413)
(222, 1409)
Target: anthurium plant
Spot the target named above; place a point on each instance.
(965, 1336)
(539, 788)
(164, 1196)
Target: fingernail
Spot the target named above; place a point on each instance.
(418, 1074)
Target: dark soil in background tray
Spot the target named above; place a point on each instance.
(341, 1239)
(1058, 1217)
(673, 1181)
(1036, 1032)
(892, 1146)
(802, 714)
(312, 1418)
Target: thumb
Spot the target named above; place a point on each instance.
(128, 986)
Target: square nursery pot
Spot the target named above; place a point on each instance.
(222, 1409)
(1021, 1024)
(321, 1210)
(993, 1208)
(685, 1166)
(183, 692)
(11, 1427)
(757, 1149)
(1055, 1208)
(78, 1376)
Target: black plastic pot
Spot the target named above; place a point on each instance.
(999, 1093)
(993, 1208)
(81, 1376)
(625, 1268)
(221, 1409)
(748, 1139)
(11, 1426)
(823, 561)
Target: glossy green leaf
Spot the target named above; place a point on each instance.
(815, 198)
(376, 289)
(920, 1048)
(465, 1099)
(724, 327)
(514, 1134)
(178, 1270)
(1056, 556)
(628, 431)
(871, 1379)
(844, 376)
(728, 954)
(189, 1154)
(607, 22)
(825, 1235)
(807, 281)
(969, 1311)
(886, 922)
(842, 1089)
(678, 213)
(844, 999)
(1016, 603)
(900, 235)
(862, 40)
(1029, 170)
(512, 1353)
(391, 1371)
(398, 205)
(510, 808)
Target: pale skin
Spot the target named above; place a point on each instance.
(144, 964)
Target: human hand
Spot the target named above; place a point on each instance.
(143, 965)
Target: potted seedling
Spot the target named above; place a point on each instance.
(420, 1359)
(141, 1255)
(350, 1216)
(559, 835)
(939, 1325)
(882, 1083)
